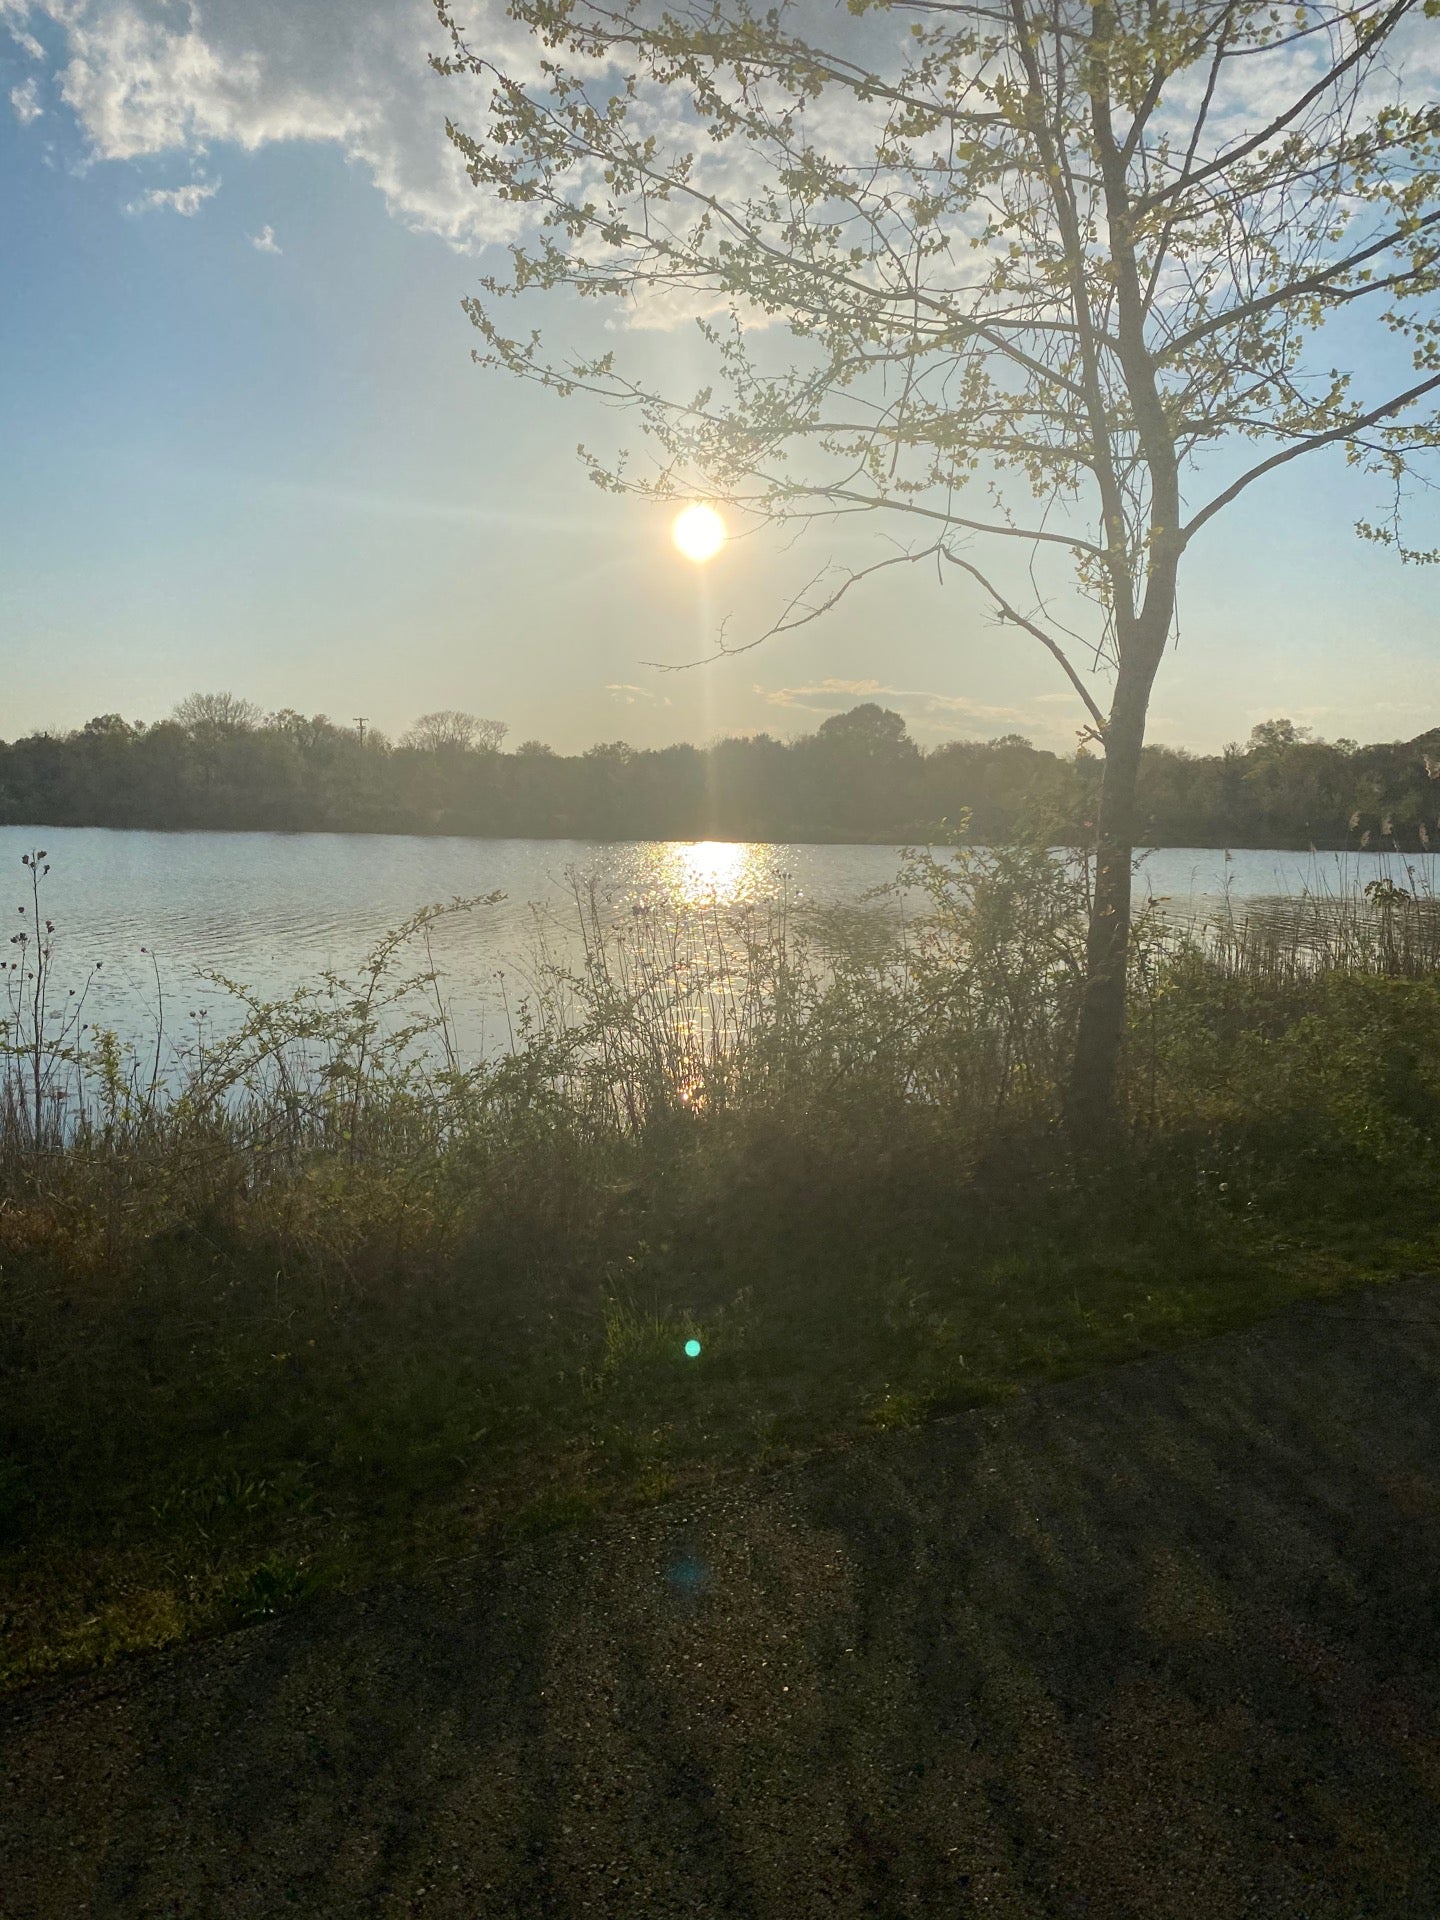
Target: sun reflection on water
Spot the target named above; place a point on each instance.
(724, 873)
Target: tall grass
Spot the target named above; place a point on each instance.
(1333, 924)
(303, 1292)
(961, 999)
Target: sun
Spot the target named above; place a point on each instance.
(699, 533)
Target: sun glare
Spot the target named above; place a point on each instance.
(712, 870)
(705, 873)
(699, 533)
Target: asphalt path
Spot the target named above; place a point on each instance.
(1162, 1641)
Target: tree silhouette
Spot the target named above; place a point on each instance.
(451, 731)
(1056, 277)
(858, 777)
(216, 716)
(873, 731)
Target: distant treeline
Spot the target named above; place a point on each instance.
(218, 762)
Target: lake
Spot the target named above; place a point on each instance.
(275, 910)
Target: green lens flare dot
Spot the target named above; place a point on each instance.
(692, 1349)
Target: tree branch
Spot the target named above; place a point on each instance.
(1312, 283)
(1346, 431)
(1011, 617)
(1362, 46)
(798, 612)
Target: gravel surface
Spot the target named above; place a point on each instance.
(1163, 1641)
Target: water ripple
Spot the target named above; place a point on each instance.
(275, 910)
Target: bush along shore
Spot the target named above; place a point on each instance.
(318, 1300)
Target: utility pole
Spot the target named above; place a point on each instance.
(360, 719)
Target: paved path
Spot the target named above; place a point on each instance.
(1160, 1642)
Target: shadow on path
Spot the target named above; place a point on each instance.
(1164, 1641)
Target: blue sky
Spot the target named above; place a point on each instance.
(273, 468)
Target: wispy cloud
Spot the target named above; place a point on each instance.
(25, 99)
(23, 39)
(922, 707)
(265, 242)
(631, 696)
(186, 200)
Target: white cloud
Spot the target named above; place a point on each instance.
(146, 78)
(25, 99)
(186, 200)
(265, 241)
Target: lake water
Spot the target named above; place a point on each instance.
(275, 910)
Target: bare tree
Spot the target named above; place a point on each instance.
(1060, 280)
(450, 731)
(216, 716)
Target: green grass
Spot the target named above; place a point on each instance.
(193, 1446)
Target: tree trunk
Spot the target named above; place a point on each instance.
(1091, 1107)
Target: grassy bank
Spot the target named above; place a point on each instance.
(325, 1301)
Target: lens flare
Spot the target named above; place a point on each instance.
(699, 533)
